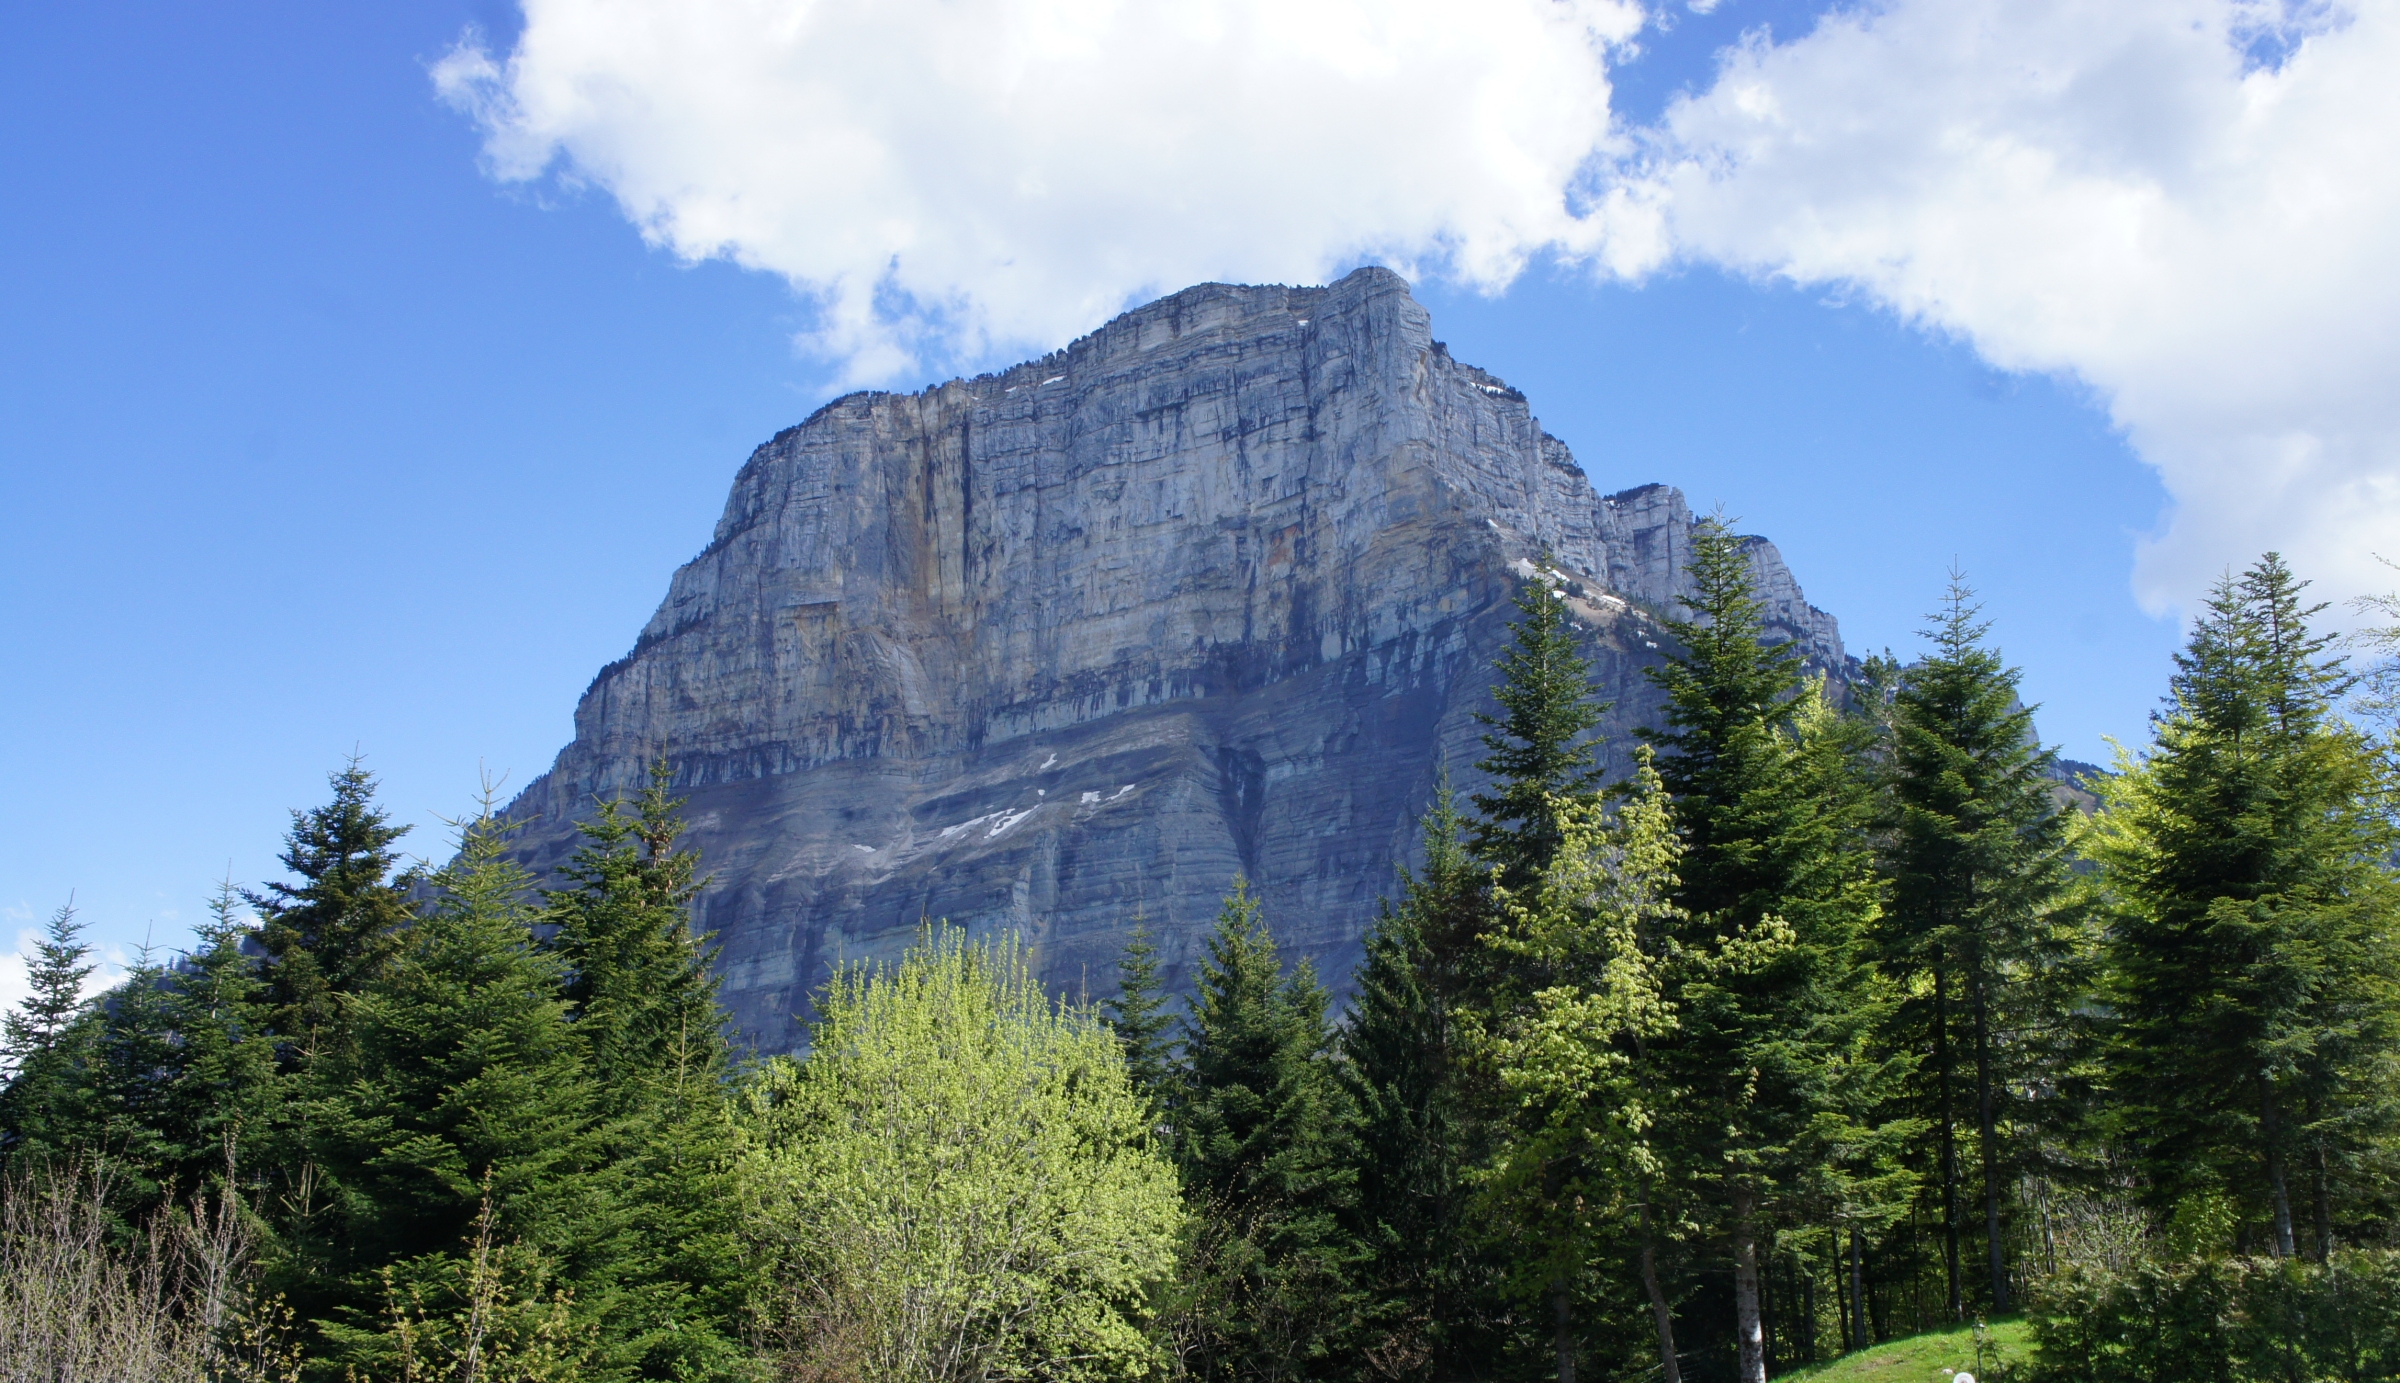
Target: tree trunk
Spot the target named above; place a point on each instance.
(1941, 1076)
(1858, 1289)
(1747, 1337)
(1988, 1118)
(1562, 1329)
(1661, 1313)
(1808, 1315)
(2324, 1199)
(1770, 1300)
(1841, 1290)
(2277, 1186)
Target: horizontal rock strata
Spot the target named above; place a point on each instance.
(1215, 590)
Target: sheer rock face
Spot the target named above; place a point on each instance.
(1216, 590)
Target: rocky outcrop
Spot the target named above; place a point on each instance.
(1215, 590)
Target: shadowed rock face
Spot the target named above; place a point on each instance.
(1216, 590)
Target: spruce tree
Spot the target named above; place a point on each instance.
(42, 1045)
(327, 935)
(637, 978)
(1539, 757)
(1771, 1051)
(129, 1071)
(1426, 1277)
(2247, 862)
(1262, 1134)
(226, 1100)
(462, 1084)
(1138, 1016)
(643, 1013)
(1975, 849)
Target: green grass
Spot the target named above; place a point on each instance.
(1919, 1358)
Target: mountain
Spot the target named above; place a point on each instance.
(1215, 590)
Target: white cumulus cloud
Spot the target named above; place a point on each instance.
(2190, 205)
(946, 178)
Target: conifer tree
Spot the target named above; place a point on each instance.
(1262, 1134)
(1976, 855)
(1426, 1280)
(462, 1082)
(225, 1100)
(637, 977)
(644, 1014)
(128, 1075)
(1771, 1050)
(327, 935)
(2247, 863)
(1538, 756)
(1138, 1016)
(42, 1045)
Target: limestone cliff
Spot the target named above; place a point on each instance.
(1214, 590)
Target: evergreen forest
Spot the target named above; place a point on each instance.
(1834, 1011)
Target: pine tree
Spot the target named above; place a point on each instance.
(644, 1015)
(42, 1045)
(1976, 854)
(461, 1080)
(1262, 1138)
(1539, 757)
(1771, 1050)
(1427, 1282)
(328, 935)
(1138, 1016)
(2255, 989)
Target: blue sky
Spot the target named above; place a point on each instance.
(339, 412)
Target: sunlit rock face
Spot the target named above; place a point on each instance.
(1214, 591)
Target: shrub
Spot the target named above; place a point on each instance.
(2222, 1320)
(84, 1300)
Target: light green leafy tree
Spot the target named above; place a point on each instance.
(959, 1182)
(1570, 1049)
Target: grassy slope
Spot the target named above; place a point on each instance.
(1917, 1359)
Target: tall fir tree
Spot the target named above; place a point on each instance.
(1262, 1134)
(643, 1013)
(462, 1085)
(226, 1100)
(1976, 853)
(2247, 865)
(42, 1046)
(1539, 756)
(1137, 1014)
(1429, 1281)
(129, 1074)
(328, 933)
(1772, 1052)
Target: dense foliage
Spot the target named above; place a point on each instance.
(1820, 1017)
(2228, 1320)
